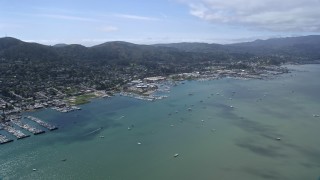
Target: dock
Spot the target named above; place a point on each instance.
(42, 123)
(4, 139)
(15, 132)
(27, 127)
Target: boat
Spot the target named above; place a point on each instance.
(176, 155)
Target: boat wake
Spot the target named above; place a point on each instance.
(120, 118)
(92, 132)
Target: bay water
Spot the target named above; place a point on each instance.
(220, 129)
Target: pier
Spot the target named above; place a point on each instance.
(14, 125)
(15, 132)
(4, 139)
(42, 123)
(27, 127)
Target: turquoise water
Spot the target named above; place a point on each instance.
(213, 140)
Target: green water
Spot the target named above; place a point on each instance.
(214, 141)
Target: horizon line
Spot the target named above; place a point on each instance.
(96, 42)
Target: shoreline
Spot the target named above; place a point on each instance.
(146, 88)
(190, 137)
(164, 86)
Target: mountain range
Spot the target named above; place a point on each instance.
(290, 48)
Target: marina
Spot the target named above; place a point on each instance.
(27, 127)
(66, 109)
(17, 133)
(4, 139)
(13, 123)
(42, 123)
(143, 97)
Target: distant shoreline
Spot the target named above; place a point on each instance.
(70, 103)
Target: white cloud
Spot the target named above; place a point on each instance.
(109, 29)
(135, 17)
(67, 17)
(274, 15)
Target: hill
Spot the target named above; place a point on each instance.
(29, 70)
(305, 47)
(117, 52)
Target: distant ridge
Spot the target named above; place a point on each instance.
(60, 45)
(303, 47)
(194, 47)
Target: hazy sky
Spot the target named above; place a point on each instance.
(90, 22)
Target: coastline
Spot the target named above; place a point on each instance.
(225, 134)
(146, 88)
(153, 88)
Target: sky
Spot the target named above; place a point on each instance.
(91, 22)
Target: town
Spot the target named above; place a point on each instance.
(64, 98)
(62, 88)
(64, 85)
